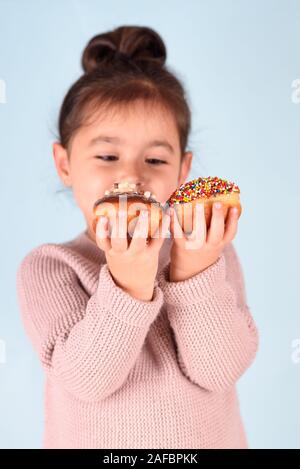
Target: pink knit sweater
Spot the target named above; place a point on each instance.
(126, 373)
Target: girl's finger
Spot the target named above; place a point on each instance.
(217, 225)
(102, 234)
(231, 225)
(199, 225)
(161, 233)
(119, 241)
(140, 234)
(176, 230)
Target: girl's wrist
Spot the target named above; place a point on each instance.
(178, 275)
(143, 295)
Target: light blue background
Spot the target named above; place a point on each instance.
(238, 59)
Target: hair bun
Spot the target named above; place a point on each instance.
(136, 44)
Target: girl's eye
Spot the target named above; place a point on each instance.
(153, 161)
(106, 157)
(156, 161)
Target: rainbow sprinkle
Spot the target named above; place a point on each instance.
(202, 188)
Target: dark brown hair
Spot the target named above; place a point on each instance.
(120, 67)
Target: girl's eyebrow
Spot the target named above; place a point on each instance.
(152, 143)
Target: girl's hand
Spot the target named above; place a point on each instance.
(191, 254)
(133, 268)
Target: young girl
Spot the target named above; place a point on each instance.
(142, 343)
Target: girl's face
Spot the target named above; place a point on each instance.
(138, 145)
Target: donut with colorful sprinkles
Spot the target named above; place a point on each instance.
(206, 190)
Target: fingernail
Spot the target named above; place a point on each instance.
(218, 205)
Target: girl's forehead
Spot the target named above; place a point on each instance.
(139, 111)
(134, 122)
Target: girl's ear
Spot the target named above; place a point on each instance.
(61, 160)
(185, 167)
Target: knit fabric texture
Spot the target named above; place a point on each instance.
(126, 373)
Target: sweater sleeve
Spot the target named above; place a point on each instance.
(215, 334)
(89, 343)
